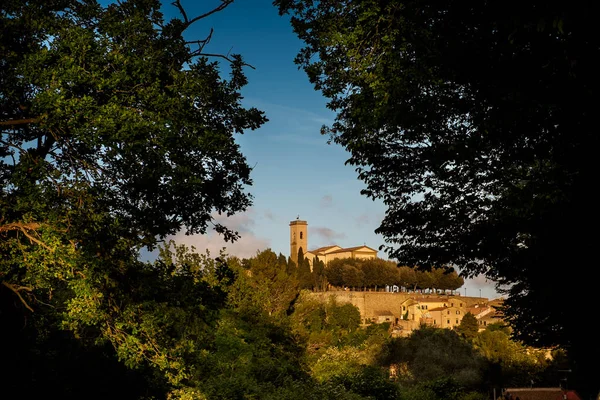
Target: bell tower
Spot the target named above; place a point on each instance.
(298, 238)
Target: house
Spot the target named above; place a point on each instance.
(556, 393)
(383, 316)
(446, 317)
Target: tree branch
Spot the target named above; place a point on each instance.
(19, 121)
(188, 22)
(25, 229)
(197, 53)
(16, 290)
(15, 225)
(177, 3)
(203, 42)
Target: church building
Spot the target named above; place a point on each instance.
(299, 240)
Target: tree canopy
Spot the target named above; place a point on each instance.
(355, 272)
(474, 122)
(115, 132)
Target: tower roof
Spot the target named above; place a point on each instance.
(298, 222)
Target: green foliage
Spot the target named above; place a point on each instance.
(499, 326)
(115, 133)
(332, 321)
(474, 123)
(369, 381)
(344, 317)
(434, 353)
(336, 362)
(319, 277)
(468, 327)
(441, 389)
(105, 149)
(268, 284)
(373, 273)
(305, 277)
(512, 363)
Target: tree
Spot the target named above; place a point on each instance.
(115, 132)
(474, 122)
(273, 289)
(378, 272)
(408, 277)
(449, 280)
(305, 277)
(344, 317)
(511, 363)
(468, 326)
(318, 272)
(434, 353)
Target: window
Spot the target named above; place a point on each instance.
(403, 308)
(448, 322)
(448, 312)
(301, 235)
(301, 238)
(457, 312)
(451, 304)
(434, 322)
(457, 320)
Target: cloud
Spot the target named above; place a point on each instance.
(327, 233)
(481, 285)
(326, 201)
(246, 246)
(301, 139)
(294, 112)
(363, 220)
(270, 216)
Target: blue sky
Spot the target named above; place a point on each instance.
(296, 173)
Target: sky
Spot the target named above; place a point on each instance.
(296, 173)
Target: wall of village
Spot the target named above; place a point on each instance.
(387, 306)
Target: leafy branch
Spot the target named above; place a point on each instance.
(16, 289)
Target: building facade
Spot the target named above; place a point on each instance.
(299, 240)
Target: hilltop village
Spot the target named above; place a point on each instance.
(404, 310)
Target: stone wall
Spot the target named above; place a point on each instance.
(372, 304)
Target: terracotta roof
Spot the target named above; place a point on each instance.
(492, 315)
(439, 309)
(385, 313)
(352, 249)
(477, 310)
(433, 300)
(445, 308)
(542, 394)
(320, 249)
(496, 302)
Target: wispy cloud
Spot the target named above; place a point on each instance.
(303, 139)
(270, 216)
(480, 284)
(326, 201)
(362, 220)
(296, 112)
(246, 246)
(326, 233)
